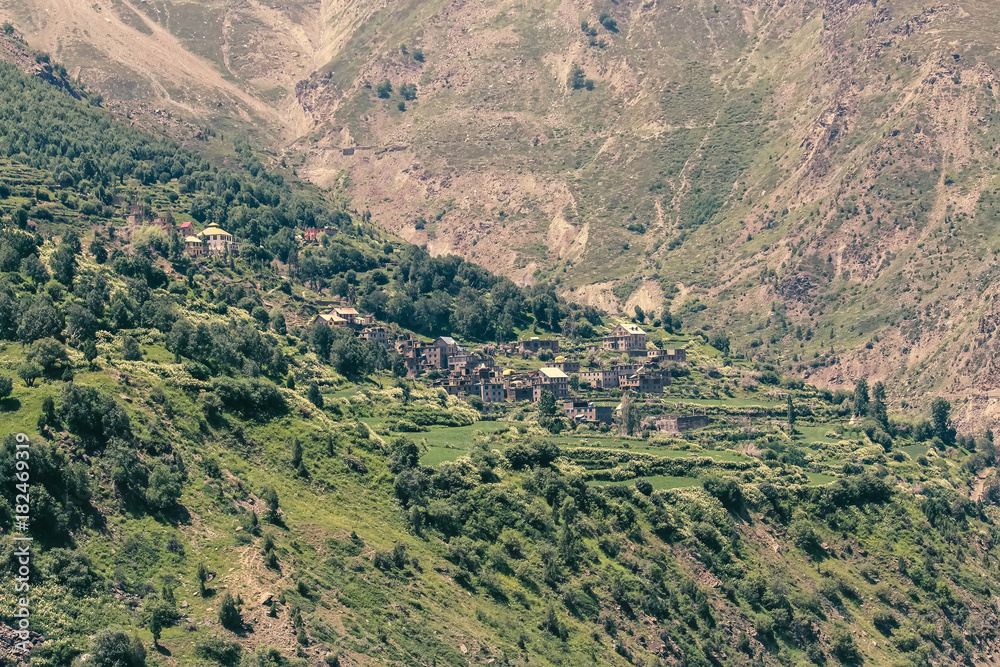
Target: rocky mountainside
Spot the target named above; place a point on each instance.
(814, 177)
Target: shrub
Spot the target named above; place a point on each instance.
(6, 386)
(116, 648)
(219, 650)
(842, 646)
(252, 397)
(29, 371)
(164, 487)
(229, 613)
(538, 453)
(728, 492)
(89, 413)
(884, 621)
(130, 349)
(314, 395)
(48, 353)
(72, 569)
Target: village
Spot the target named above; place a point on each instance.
(478, 374)
(586, 387)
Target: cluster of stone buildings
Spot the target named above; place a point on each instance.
(464, 373)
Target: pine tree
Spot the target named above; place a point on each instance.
(314, 395)
(547, 403)
(202, 579)
(877, 409)
(791, 414)
(229, 613)
(629, 416)
(861, 397)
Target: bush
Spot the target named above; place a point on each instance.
(89, 413)
(164, 487)
(29, 371)
(728, 492)
(537, 453)
(116, 648)
(251, 397)
(6, 386)
(842, 646)
(229, 613)
(48, 353)
(130, 349)
(219, 650)
(72, 569)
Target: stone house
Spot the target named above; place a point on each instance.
(625, 338)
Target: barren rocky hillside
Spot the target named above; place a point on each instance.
(818, 175)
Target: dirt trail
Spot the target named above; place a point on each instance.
(977, 491)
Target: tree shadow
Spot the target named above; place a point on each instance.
(161, 649)
(10, 404)
(174, 516)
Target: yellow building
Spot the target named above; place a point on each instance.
(217, 240)
(194, 246)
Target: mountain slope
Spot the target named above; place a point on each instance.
(827, 162)
(214, 482)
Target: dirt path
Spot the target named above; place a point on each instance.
(977, 491)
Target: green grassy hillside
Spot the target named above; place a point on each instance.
(215, 482)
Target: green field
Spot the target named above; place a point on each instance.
(819, 478)
(457, 436)
(814, 434)
(436, 455)
(915, 451)
(658, 481)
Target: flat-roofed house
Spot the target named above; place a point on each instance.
(678, 423)
(644, 383)
(551, 379)
(566, 366)
(375, 335)
(676, 355)
(534, 345)
(625, 338)
(588, 411)
(600, 379)
(517, 391)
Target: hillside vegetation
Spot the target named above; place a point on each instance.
(814, 177)
(216, 482)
